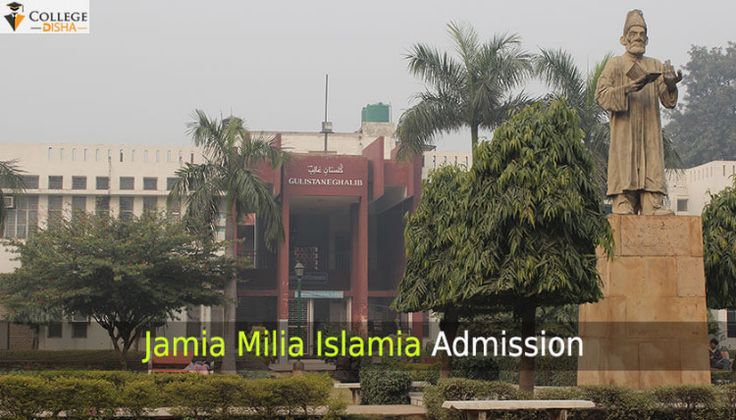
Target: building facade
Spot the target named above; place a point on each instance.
(689, 192)
(342, 209)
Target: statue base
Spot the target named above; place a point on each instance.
(650, 329)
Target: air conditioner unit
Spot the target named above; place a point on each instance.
(9, 202)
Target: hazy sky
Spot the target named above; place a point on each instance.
(148, 64)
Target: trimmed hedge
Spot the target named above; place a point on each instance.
(92, 394)
(612, 403)
(11, 360)
(384, 385)
(460, 389)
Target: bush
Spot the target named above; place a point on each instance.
(687, 401)
(382, 385)
(67, 359)
(23, 396)
(139, 395)
(82, 397)
(458, 389)
(476, 367)
(618, 402)
(191, 397)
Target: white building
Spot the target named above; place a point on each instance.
(126, 180)
(689, 192)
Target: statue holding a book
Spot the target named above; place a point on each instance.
(631, 88)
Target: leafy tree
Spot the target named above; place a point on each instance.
(719, 237)
(705, 128)
(557, 68)
(127, 275)
(228, 182)
(527, 221)
(472, 89)
(10, 181)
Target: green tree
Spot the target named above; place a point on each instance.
(472, 89)
(557, 68)
(719, 238)
(228, 181)
(10, 182)
(527, 222)
(127, 275)
(705, 128)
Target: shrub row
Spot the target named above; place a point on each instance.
(87, 394)
(67, 359)
(612, 403)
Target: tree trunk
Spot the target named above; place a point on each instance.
(449, 326)
(528, 327)
(473, 137)
(231, 304)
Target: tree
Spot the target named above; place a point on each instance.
(705, 128)
(10, 181)
(127, 275)
(557, 68)
(719, 238)
(228, 181)
(524, 233)
(471, 90)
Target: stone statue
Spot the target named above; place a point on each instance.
(631, 87)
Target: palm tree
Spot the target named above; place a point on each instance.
(557, 68)
(472, 89)
(228, 182)
(10, 181)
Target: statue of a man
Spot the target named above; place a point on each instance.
(631, 88)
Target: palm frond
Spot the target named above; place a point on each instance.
(557, 68)
(435, 68)
(11, 180)
(466, 41)
(420, 124)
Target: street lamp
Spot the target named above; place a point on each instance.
(299, 271)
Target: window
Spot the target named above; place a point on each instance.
(730, 323)
(79, 329)
(170, 182)
(50, 152)
(127, 183)
(145, 155)
(132, 155)
(79, 207)
(97, 155)
(22, 221)
(56, 182)
(103, 183)
(84, 157)
(30, 182)
(121, 155)
(168, 155)
(61, 153)
(150, 184)
(54, 330)
(102, 205)
(126, 208)
(55, 210)
(173, 209)
(682, 204)
(150, 204)
(79, 182)
(158, 156)
(74, 154)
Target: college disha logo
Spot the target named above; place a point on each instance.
(14, 18)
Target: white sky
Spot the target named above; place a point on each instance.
(148, 64)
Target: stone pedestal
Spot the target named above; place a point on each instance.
(650, 329)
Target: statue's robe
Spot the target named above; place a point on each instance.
(636, 153)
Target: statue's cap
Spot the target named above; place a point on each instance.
(14, 6)
(634, 18)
